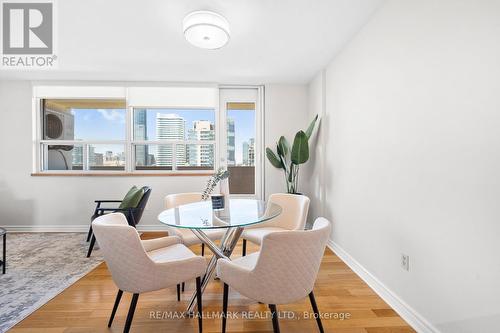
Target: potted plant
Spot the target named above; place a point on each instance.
(289, 158)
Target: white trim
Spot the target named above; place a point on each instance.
(35, 124)
(73, 228)
(174, 97)
(410, 315)
(79, 91)
(129, 129)
(260, 144)
(46, 228)
(173, 142)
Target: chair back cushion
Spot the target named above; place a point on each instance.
(294, 215)
(175, 200)
(289, 262)
(142, 204)
(122, 249)
(132, 198)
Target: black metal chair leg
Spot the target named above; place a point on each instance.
(274, 312)
(224, 307)
(316, 311)
(183, 285)
(198, 300)
(244, 247)
(130, 314)
(178, 292)
(202, 250)
(91, 246)
(89, 233)
(115, 307)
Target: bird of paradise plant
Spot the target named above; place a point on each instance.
(289, 158)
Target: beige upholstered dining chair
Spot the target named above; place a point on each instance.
(293, 217)
(187, 236)
(283, 271)
(138, 266)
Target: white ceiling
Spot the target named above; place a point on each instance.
(285, 41)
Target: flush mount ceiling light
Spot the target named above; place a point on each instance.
(205, 29)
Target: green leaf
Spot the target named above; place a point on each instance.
(284, 146)
(300, 148)
(281, 157)
(278, 150)
(310, 129)
(271, 156)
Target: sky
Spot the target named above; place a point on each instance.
(109, 124)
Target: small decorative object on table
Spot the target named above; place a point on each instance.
(217, 201)
(221, 176)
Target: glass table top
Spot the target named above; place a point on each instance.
(239, 213)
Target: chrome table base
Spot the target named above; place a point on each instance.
(228, 243)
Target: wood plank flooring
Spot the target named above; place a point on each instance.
(87, 304)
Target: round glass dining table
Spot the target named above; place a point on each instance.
(234, 217)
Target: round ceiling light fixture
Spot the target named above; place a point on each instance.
(205, 29)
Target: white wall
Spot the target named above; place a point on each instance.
(66, 203)
(313, 171)
(412, 157)
(286, 114)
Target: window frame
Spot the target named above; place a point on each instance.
(108, 91)
(129, 144)
(72, 91)
(174, 143)
(245, 94)
(41, 151)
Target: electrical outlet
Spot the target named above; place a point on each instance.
(405, 262)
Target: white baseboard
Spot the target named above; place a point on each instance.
(71, 228)
(47, 228)
(412, 317)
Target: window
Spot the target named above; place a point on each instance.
(150, 130)
(83, 134)
(174, 139)
(90, 135)
(241, 146)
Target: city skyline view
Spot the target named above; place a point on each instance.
(109, 124)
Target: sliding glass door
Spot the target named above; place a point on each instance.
(240, 149)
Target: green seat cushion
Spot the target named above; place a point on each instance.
(132, 199)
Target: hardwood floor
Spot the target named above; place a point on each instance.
(87, 304)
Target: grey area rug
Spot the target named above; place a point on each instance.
(39, 267)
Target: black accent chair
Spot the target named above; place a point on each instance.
(133, 215)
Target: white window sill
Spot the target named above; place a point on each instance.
(122, 174)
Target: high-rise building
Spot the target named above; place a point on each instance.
(151, 159)
(170, 127)
(109, 155)
(77, 155)
(230, 142)
(140, 133)
(249, 152)
(201, 155)
(92, 160)
(98, 159)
